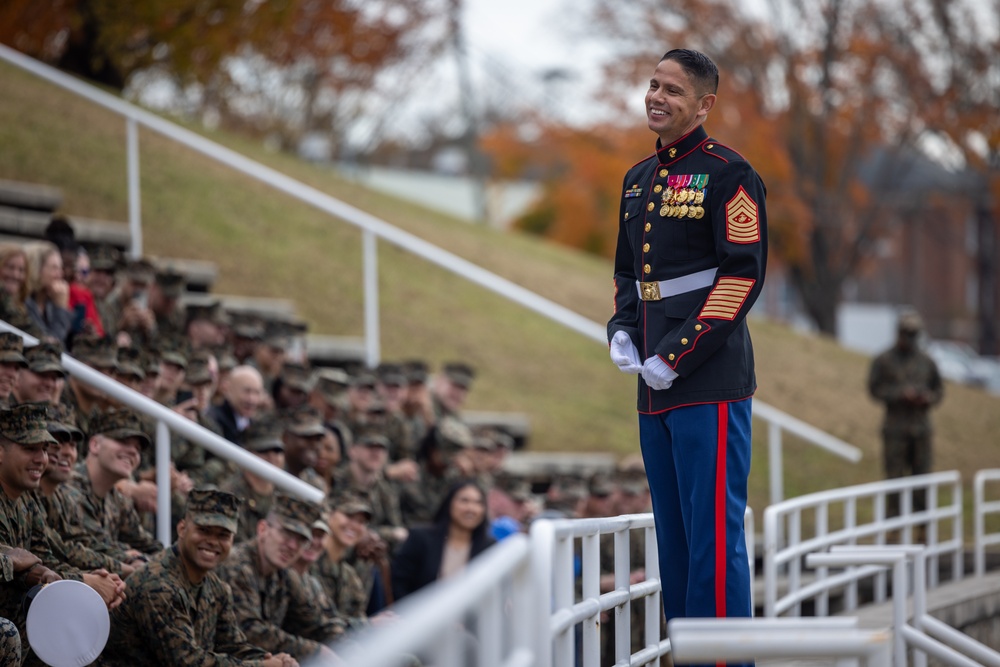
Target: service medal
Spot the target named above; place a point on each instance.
(683, 212)
(664, 210)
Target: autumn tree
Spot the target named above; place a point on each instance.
(811, 90)
(309, 54)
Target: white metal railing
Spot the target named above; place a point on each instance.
(487, 616)
(924, 633)
(745, 639)
(373, 228)
(539, 623)
(167, 421)
(862, 520)
(984, 482)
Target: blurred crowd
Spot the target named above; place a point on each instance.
(413, 492)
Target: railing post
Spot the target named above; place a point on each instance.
(542, 543)
(163, 531)
(134, 203)
(774, 462)
(372, 334)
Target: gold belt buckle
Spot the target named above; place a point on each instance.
(650, 291)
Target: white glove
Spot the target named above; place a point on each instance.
(624, 354)
(657, 374)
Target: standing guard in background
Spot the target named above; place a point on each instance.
(906, 379)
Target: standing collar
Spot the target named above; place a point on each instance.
(684, 146)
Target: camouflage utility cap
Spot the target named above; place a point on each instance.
(198, 372)
(62, 419)
(96, 352)
(208, 507)
(295, 515)
(350, 502)
(297, 376)
(305, 422)
(25, 424)
(170, 283)
(453, 435)
(460, 374)
(45, 358)
(119, 424)
(12, 349)
(263, 435)
(105, 257)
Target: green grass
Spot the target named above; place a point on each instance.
(267, 244)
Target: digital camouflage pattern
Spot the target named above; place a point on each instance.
(168, 620)
(275, 612)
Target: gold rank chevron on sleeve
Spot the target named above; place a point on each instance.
(742, 220)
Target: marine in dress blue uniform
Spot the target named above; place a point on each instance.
(690, 262)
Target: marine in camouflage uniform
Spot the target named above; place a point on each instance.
(10, 644)
(272, 607)
(61, 503)
(22, 521)
(419, 500)
(111, 523)
(907, 381)
(303, 433)
(386, 515)
(340, 581)
(171, 618)
(263, 438)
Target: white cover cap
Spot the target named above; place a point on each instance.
(68, 624)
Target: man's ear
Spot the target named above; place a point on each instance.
(706, 104)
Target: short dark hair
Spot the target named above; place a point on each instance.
(698, 66)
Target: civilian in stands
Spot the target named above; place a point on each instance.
(180, 611)
(81, 301)
(48, 292)
(38, 383)
(14, 280)
(244, 397)
(459, 534)
(12, 361)
(272, 607)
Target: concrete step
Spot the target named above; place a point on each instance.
(21, 224)
(282, 310)
(199, 275)
(18, 194)
(341, 351)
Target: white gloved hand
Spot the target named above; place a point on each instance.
(624, 354)
(657, 374)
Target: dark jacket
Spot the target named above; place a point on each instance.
(225, 417)
(417, 562)
(700, 334)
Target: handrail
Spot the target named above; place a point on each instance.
(783, 522)
(983, 508)
(432, 620)
(191, 430)
(376, 227)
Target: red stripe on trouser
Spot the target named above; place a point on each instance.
(720, 512)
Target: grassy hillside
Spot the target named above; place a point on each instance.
(266, 244)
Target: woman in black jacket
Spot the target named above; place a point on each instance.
(459, 534)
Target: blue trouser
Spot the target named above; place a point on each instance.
(697, 462)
